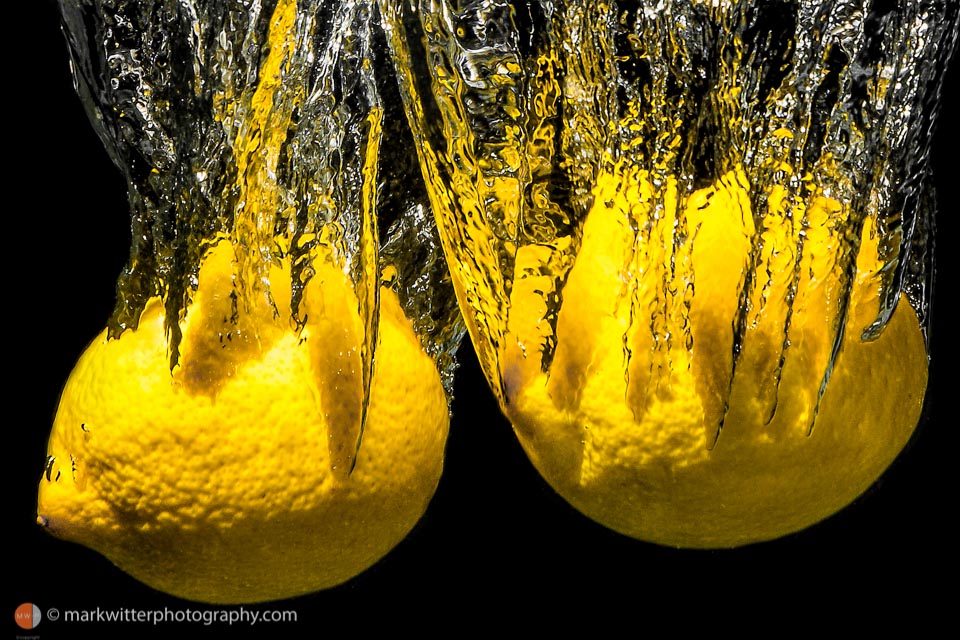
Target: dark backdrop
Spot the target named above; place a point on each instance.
(495, 537)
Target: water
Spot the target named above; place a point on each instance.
(521, 107)
(276, 124)
(378, 134)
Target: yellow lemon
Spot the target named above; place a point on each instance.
(670, 230)
(229, 479)
(654, 432)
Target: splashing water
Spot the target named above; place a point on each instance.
(642, 204)
(282, 167)
(800, 110)
(276, 125)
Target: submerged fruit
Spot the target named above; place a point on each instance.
(226, 480)
(266, 414)
(630, 432)
(689, 240)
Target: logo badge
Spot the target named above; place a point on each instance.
(27, 615)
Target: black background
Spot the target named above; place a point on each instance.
(495, 537)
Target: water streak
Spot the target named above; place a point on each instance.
(820, 110)
(277, 125)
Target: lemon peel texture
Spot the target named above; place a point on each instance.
(266, 413)
(629, 435)
(689, 241)
(218, 482)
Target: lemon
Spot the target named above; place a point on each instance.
(655, 433)
(229, 479)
